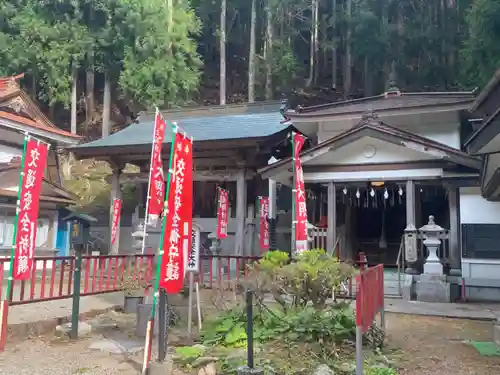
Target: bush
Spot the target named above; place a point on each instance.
(310, 278)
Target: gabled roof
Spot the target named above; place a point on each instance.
(17, 107)
(371, 126)
(394, 100)
(210, 126)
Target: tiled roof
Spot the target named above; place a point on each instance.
(9, 90)
(207, 128)
(388, 102)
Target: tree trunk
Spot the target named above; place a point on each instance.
(222, 79)
(90, 102)
(367, 78)
(106, 107)
(334, 47)
(312, 49)
(74, 84)
(251, 55)
(348, 57)
(269, 53)
(316, 37)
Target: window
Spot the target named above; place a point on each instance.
(7, 231)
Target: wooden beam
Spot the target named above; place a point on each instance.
(203, 175)
(241, 205)
(332, 217)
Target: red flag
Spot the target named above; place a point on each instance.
(175, 240)
(222, 213)
(264, 224)
(35, 160)
(156, 187)
(187, 200)
(300, 197)
(117, 209)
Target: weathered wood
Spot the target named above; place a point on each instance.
(241, 206)
(202, 176)
(455, 255)
(410, 203)
(332, 217)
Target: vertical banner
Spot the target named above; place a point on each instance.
(264, 223)
(300, 217)
(193, 263)
(222, 213)
(156, 186)
(33, 170)
(117, 209)
(187, 198)
(176, 238)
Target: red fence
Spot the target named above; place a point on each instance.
(369, 302)
(53, 277)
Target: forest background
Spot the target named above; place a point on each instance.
(94, 64)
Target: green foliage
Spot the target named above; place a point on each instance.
(380, 371)
(311, 278)
(306, 325)
(188, 353)
(481, 50)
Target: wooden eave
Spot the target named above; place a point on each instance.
(370, 127)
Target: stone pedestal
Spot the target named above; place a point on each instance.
(164, 368)
(245, 370)
(433, 288)
(433, 265)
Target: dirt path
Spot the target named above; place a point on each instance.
(436, 345)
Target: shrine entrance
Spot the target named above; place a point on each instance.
(372, 218)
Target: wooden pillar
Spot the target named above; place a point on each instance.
(410, 204)
(241, 210)
(455, 252)
(115, 193)
(332, 217)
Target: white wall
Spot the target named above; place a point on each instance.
(474, 209)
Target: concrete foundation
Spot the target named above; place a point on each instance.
(164, 368)
(433, 288)
(244, 370)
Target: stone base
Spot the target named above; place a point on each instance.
(433, 288)
(164, 368)
(496, 334)
(408, 287)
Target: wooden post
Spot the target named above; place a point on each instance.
(332, 218)
(115, 193)
(272, 215)
(410, 203)
(455, 255)
(241, 200)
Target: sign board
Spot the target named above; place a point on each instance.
(193, 261)
(77, 233)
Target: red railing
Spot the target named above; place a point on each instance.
(369, 303)
(53, 277)
(217, 269)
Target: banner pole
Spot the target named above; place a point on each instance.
(149, 331)
(145, 229)
(13, 250)
(294, 198)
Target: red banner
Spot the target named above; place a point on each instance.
(35, 160)
(156, 187)
(117, 209)
(222, 213)
(264, 223)
(300, 197)
(187, 199)
(177, 232)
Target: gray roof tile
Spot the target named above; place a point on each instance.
(208, 128)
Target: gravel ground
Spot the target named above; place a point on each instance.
(62, 357)
(432, 346)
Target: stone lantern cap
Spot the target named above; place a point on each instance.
(431, 228)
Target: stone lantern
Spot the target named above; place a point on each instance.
(431, 233)
(138, 236)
